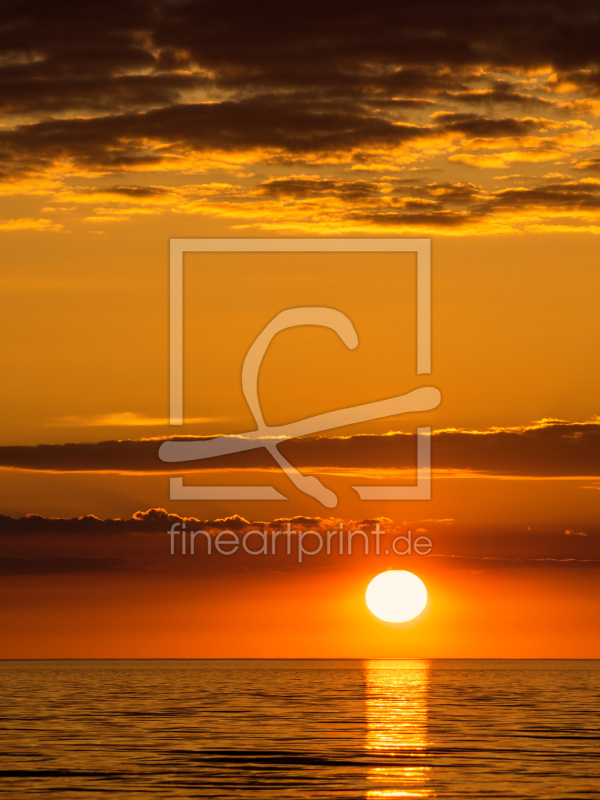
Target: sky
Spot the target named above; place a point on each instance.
(127, 124)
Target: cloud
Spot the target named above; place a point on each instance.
(173, 137)
(124, 419)
(120, 89)
(550, 448)
(495, 562)
(573, 197)
(591, 164)
(29, 225)
(502, 94)
(484, 127)
(481, 545)
(158, 520)
(155, 137)
(578, 80)
(298, 186)
(327, 42)
(60, 564)
(320, 204)
(64, 57)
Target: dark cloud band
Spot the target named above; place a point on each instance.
(548, 449)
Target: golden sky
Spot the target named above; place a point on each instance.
(126, 125)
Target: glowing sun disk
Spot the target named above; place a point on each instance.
(396, 596)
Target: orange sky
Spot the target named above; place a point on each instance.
(486, 146)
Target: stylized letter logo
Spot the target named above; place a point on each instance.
(423, 399)
(270, 437)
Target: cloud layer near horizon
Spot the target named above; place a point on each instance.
(472, 547)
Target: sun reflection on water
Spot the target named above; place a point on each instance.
(397, 727)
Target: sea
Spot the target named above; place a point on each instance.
(300, 729)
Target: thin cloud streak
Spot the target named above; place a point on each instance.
(123, 419)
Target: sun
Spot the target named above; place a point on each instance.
(396, 596)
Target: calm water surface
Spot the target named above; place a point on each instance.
(300, 729)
